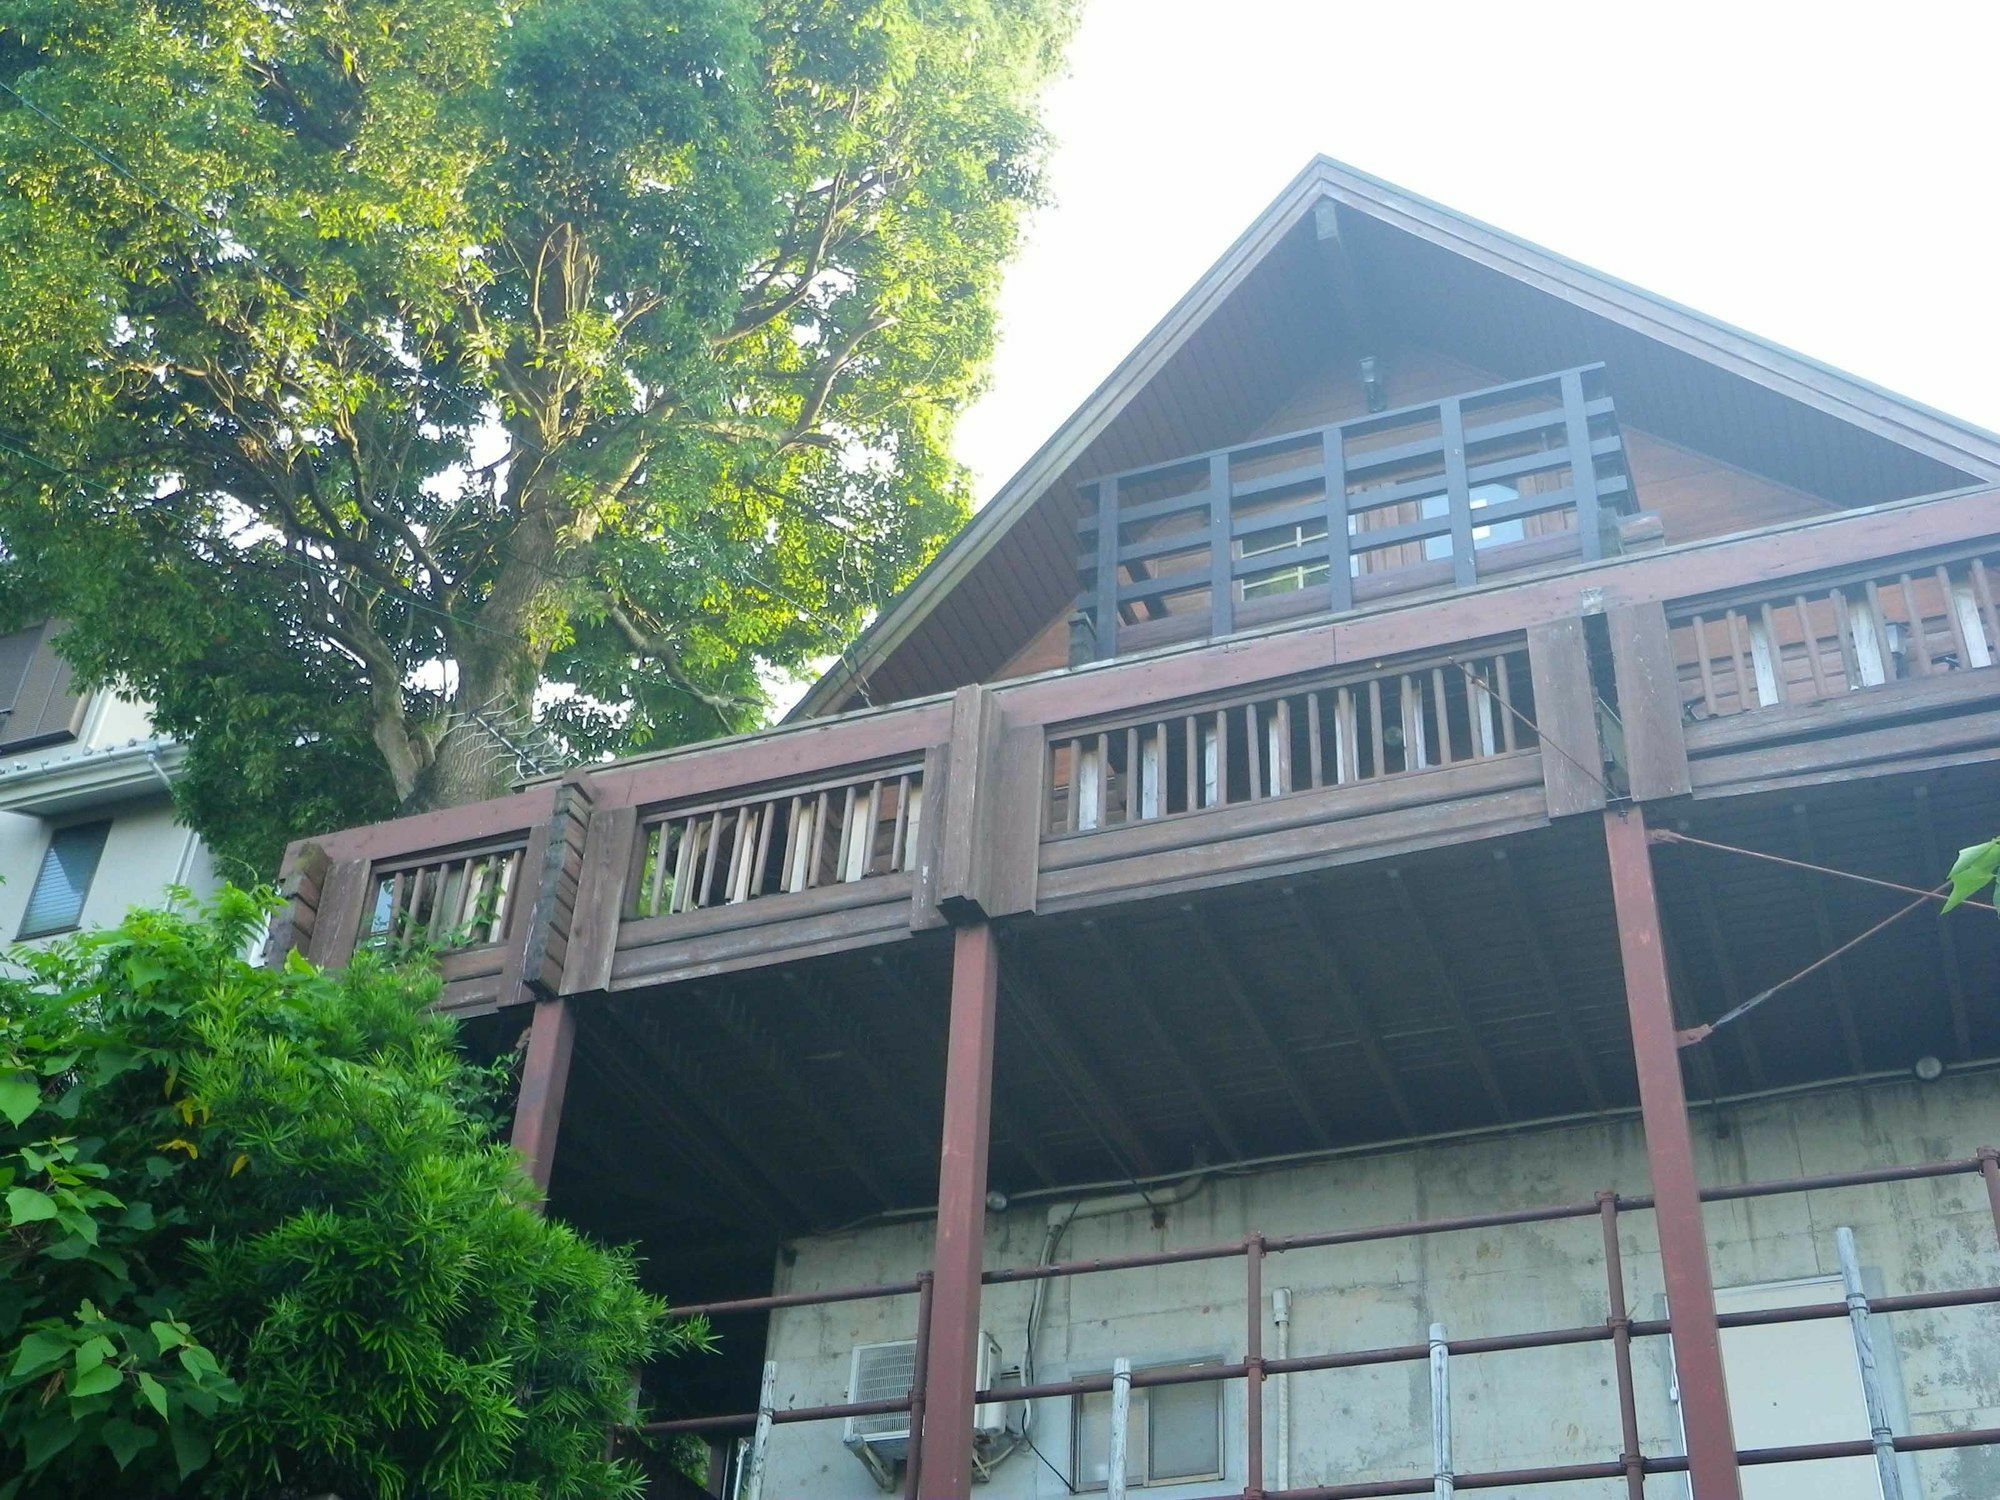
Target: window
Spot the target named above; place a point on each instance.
(1173, 1433)
(62, 883)
(1282, 539)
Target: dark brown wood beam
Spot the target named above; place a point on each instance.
(1928, 876)
(700, 1132)
(1447, 989)
(1507, 883)
(1836, 972)
(1010, 1132)
(1345, 1003)
(1077, 1072)
(791, 1092)
(1732, 988)
(1140, 1011)
(1201, 932)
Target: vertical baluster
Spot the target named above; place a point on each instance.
(711, 856)
(1193, 769)
(1780, 686)
(874, 827)
(1158, 772)
(1949, 596)
(1106, 623)
(1410, 706)
(843, 852)
(1919, 636)
(1253, 747)
(441, 899)
(1221, 551)
(1221, 788)
(1706, 664)
(1375, 735)
(795, 843)
(1458, 495)
(471, 924)
(653, 878)
(1281, 749)
(1582, 467)
(743, 858)
(503, 896)
(1478, 725)
(767, 814)
(1315, 749)
(1843, 633)
(1504, 707)
(1135, 780)
(912, 829)
(412, 916)
(1073, 813)
(1100, 799)
(1444, 756)
(1346, 738)
(1339, 553)
(1809, 633)
(902, 822)
(1746, 681)
(1982, 591)
(1871, 638)
(681, 897)
(387, 922)
(818, 841)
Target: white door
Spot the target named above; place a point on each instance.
(1792, 1383)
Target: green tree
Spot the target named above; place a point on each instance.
(255, 1234)
(388, 380)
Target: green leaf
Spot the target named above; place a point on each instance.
(154, 1392)
(167, 1336)
(95, 1382)
(191, 1446)
(93, 1352)
(38, 1352)
(1973, 871)
(19, 1095)
(126, 1440)
(25, 1205)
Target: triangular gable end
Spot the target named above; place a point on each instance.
(1268, 339)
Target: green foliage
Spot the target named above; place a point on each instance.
(1976, 869)
(259, 1237)
(387, 361)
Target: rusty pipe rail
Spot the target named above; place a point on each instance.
(1618, 1329)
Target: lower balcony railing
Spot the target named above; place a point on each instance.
(1342, 730)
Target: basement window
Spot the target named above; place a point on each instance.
(63, 882)
(1173, 1433)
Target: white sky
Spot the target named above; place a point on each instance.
(1821, 174)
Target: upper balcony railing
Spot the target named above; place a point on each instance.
(1439, 495)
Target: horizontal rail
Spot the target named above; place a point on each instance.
(458, 901)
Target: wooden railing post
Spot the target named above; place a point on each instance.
(1697, 1342)
(1582, 467)
(1458, 492)
(300, 885)
(1649, 701)
(1566, 716)
(1106, 623)
(1221, 549)
(1339, 551)
(958, 1254)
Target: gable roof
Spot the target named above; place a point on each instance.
(1928, 449)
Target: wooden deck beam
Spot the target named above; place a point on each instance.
(1141, 1012)
(1080, 1076)
(1508, 884)
(1200, 931)
(1447, 989)
(793, 1095)
(1347, 1006)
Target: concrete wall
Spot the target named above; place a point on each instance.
(1509, 1410)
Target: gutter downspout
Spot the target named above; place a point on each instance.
(184, 866)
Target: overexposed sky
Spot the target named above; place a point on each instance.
(1825, 175)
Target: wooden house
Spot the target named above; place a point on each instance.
(1268, 909)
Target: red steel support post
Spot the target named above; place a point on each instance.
(1621, 1347)
(1697, 1342)
(1253, 1374)
(544, 1077)
(958, 1256)
(1989, 1172)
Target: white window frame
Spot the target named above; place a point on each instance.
(1215, 1388)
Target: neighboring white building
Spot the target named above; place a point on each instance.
(87, 822)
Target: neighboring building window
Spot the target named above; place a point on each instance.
(63, 882)
(1173, 1434)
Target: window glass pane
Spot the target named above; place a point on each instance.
(1186, 1431)
(1090, 1466)
(62, 883)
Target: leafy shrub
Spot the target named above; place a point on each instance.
(257, 1239)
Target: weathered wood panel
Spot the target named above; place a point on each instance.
(610, 841)
(1566, 716)
(1649, 700)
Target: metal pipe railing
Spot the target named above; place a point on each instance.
(1618, 1329)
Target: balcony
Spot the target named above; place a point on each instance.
(1445, 495)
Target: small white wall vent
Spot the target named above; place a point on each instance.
(883, 1372)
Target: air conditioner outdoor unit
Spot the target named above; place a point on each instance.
(882, 1372)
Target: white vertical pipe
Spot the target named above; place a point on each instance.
(1871, 1377)
(1440, 1413)
(760, 1439)
(1281, 1316)
(1121, 1414)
